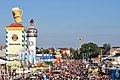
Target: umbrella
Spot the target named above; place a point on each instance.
(95, 71)
(89, 70)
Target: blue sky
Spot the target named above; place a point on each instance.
(62, 22)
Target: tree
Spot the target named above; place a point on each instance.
(106, 48)
(39, 51)
(75, 54)
(46, 51)
(71, 53)
(51, 50)
(72, 50)
(89, 50)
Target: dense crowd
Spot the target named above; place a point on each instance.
(71, 70)
(68, 70)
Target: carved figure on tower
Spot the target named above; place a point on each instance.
(32, 35)
(17, 14)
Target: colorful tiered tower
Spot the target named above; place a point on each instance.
(32, 35)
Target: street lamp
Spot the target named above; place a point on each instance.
(81, 40)
(89, 52)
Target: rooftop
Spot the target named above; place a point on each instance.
(15, 25)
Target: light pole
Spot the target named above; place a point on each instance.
(101, 57)
(81, 40)
(89, 52)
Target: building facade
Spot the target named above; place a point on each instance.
(15, 40)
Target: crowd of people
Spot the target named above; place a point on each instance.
(68, 70)
(71, 70)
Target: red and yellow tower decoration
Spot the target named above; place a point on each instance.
(15, 36)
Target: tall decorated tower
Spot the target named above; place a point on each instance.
(31, 36)
(15, 36)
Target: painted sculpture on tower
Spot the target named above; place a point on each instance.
(31, 36)
(17, 14)
(15, 37)
(58, 56)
